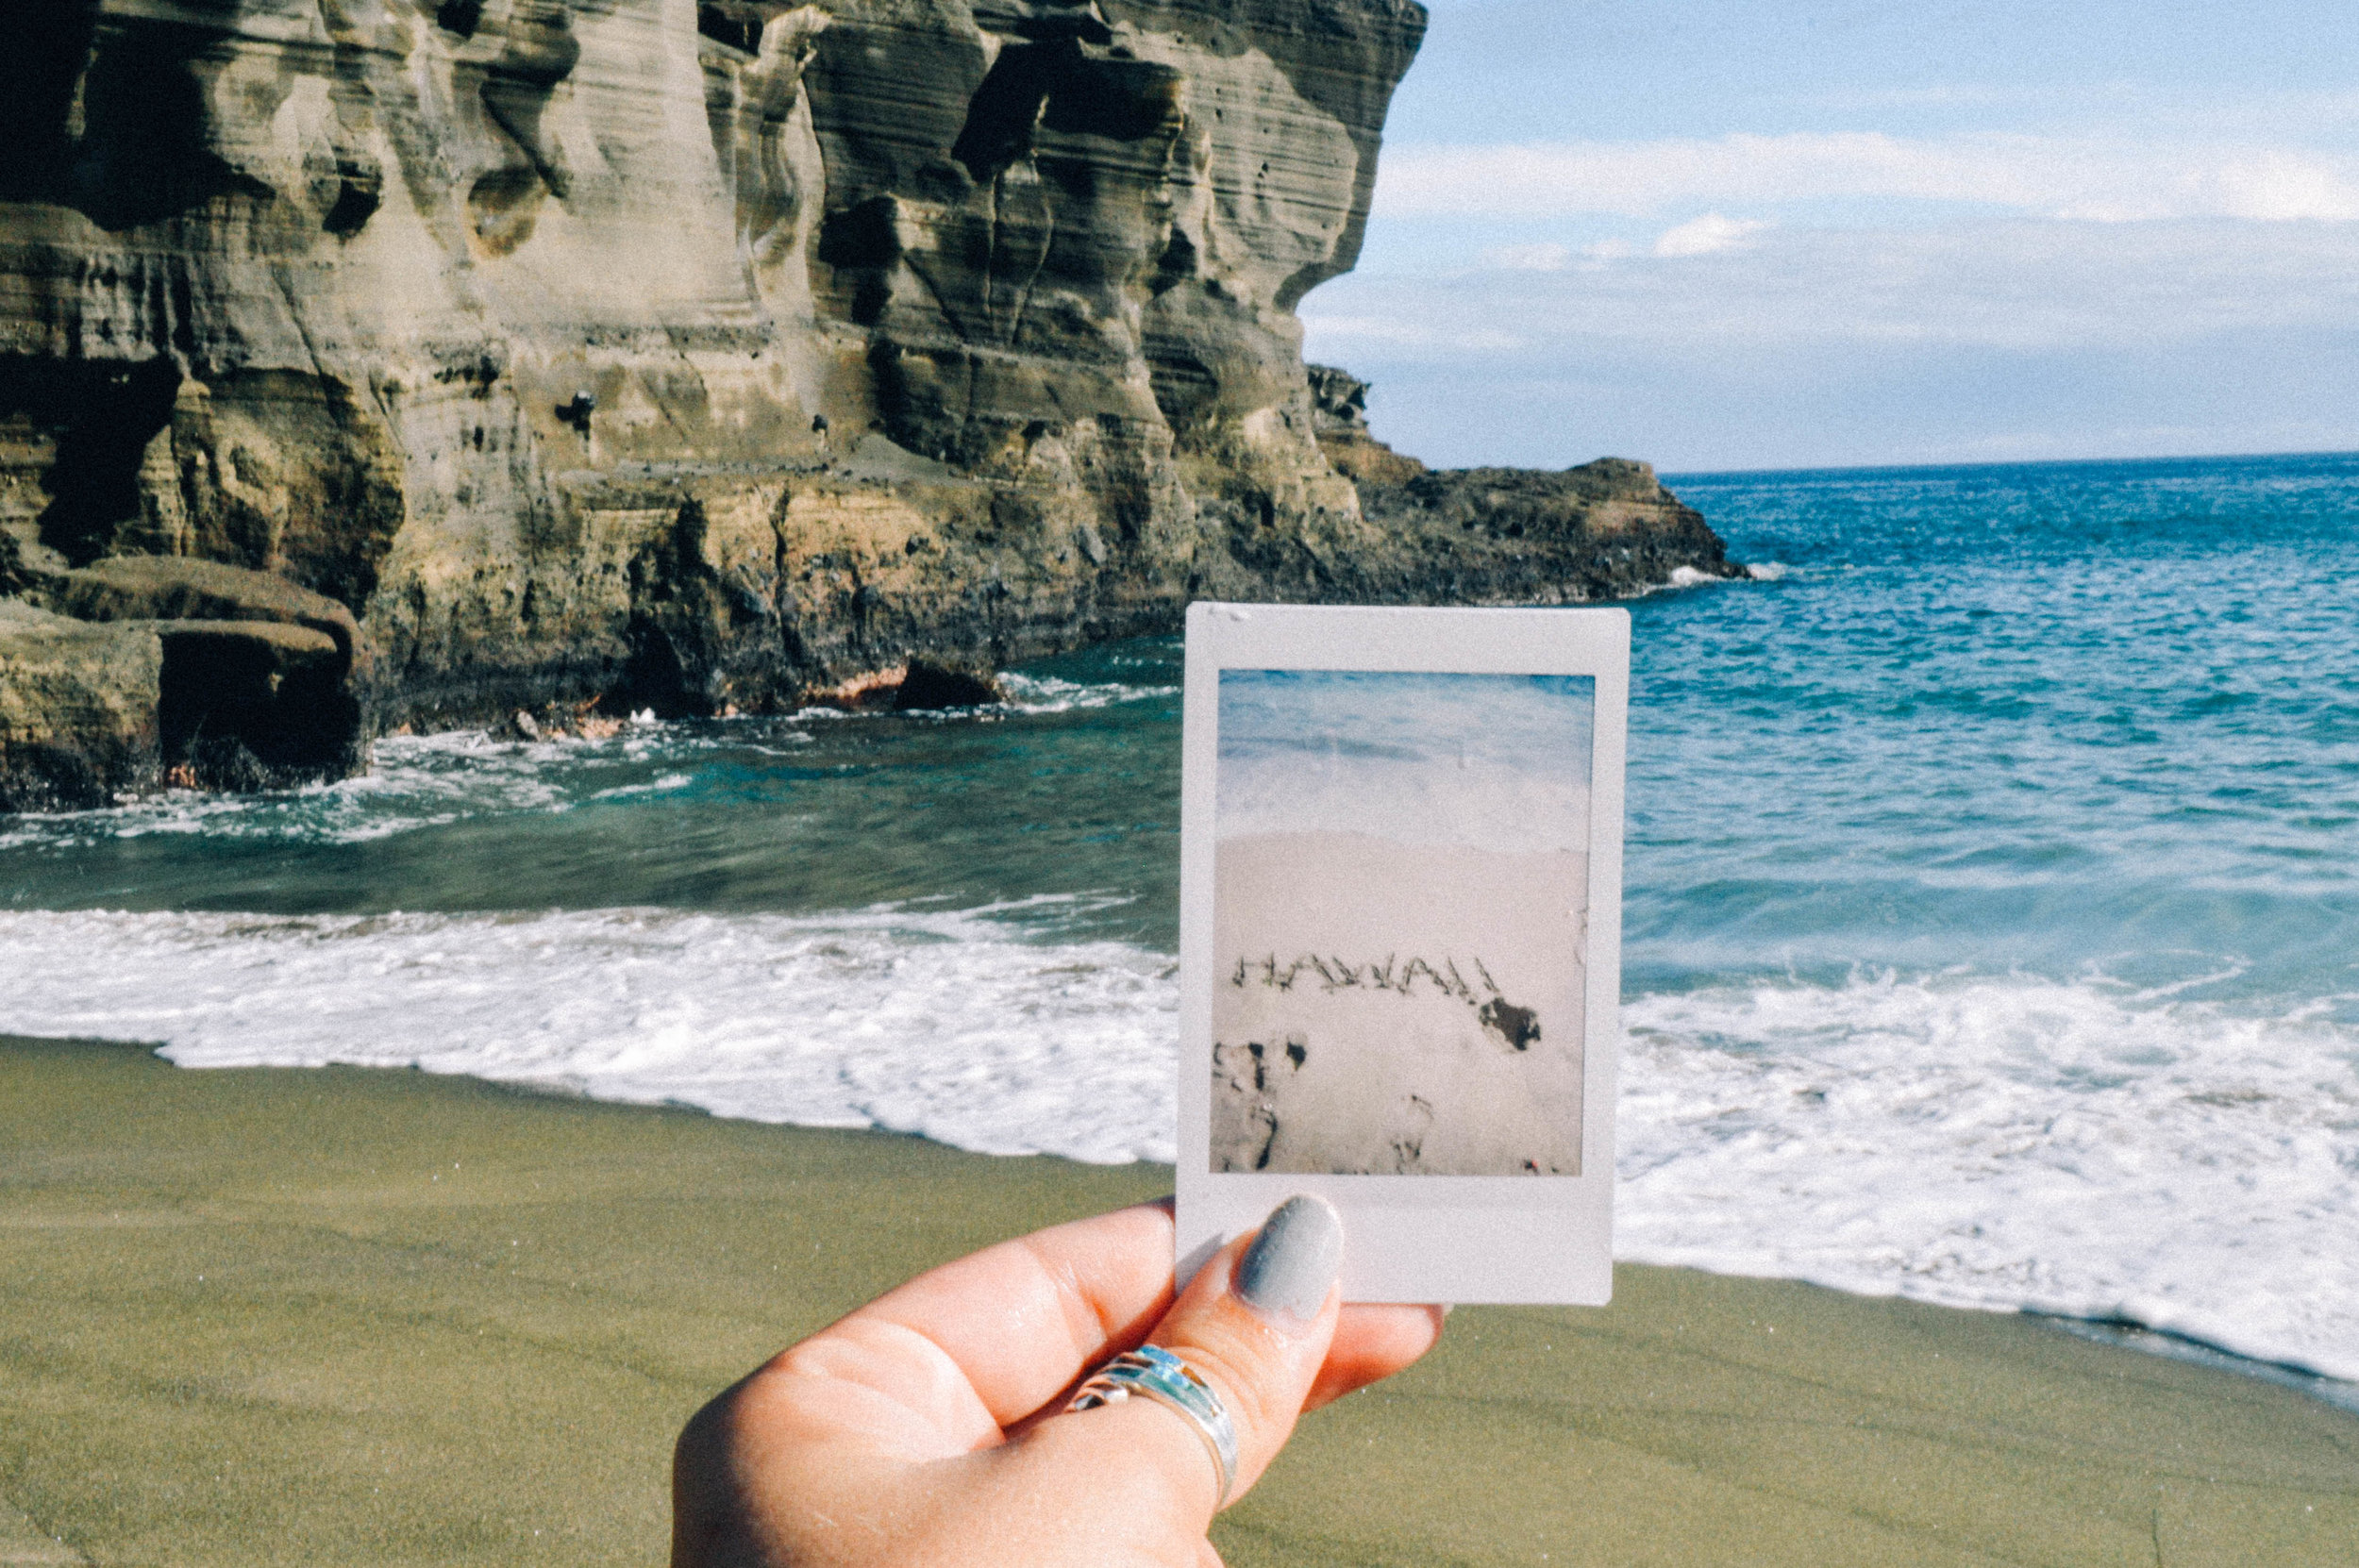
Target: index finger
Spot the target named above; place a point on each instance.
(1017, 1323)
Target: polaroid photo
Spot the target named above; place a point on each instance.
(1400, 940)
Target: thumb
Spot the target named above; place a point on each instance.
(1255, 1324)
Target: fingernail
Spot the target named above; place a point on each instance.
(1291, 1264)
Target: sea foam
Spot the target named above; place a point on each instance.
(1997, 1141)
(943, 1023)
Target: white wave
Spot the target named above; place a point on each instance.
(1020, 693)
(413, 781)
(1049, 695)
(1999, 1142)
(949, 1025)
(419, 781)
(663, 786)
(2082, 1149)
(1689, 576)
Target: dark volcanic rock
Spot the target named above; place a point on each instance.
(1603, 531)
(1492, 535)
(927, 686)
(657, 354)
(255, 704)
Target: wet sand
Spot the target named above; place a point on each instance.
(1380, 1009)
(361, 1317)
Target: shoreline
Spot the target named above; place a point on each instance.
(2128, 1333)
(2147, 1340)
(293, 1315)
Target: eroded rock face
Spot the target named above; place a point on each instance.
(170, 668)
(695, 355)
(78, 706)
(165, 588)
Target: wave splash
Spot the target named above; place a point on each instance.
(2085, 1149)
(2080, 1147)
(947, 1023)
(418, 782)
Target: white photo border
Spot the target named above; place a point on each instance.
(1515, 1240)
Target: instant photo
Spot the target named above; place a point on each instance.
(1400, 932)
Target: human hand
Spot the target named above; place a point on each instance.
(925, 1429)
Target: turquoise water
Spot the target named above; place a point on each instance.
(1992, 911)
(2066, 720)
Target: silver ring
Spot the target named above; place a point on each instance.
(1157, 1373)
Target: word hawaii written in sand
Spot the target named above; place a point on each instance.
(1257, 1083)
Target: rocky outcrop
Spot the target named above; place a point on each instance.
(78, 710)
(1339, 418)
(171, 669)
(163, 588)
(1499, 535)
(253, 705)
(700, 356)
(1481, 535)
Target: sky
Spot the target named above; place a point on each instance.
(1495, 762)
(1781, 234)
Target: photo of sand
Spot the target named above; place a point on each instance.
(1399, 913)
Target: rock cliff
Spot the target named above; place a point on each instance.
(696, 355)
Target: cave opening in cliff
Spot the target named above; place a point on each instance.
(738, 26)
(96, 421)
(251, 708)
(1005, 112)
(39, 75)
(146, 151)
(460, 16)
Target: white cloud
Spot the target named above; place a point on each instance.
(2010, 285)
(1706, 236)
(2096, 178)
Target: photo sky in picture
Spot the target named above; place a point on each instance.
(1400, 917)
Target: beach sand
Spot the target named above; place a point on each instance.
(1382, 1008)
(339, 1316)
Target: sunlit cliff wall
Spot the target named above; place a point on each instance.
(695, 355)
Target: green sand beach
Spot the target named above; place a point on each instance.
(342, 1317)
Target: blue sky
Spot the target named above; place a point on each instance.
(1779, 234)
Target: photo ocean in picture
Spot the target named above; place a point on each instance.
(1400, 918)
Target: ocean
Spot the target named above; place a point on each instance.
(1992, 908)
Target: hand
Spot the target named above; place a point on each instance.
(925, 1431)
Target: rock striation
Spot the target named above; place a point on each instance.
(696, 356)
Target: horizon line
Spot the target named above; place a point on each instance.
(1668, 474)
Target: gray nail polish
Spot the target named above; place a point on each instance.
(1292, 1263)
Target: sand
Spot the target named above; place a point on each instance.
(363, 1317)
(1381, 1008)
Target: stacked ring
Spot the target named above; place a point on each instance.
(1158, 1375)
